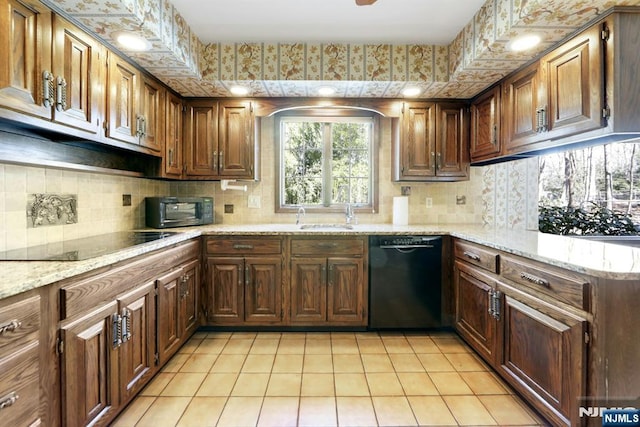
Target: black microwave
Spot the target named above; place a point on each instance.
(167, 212)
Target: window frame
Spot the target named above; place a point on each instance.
(317, 114)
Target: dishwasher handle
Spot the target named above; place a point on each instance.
(405, 246)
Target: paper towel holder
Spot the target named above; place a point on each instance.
(225, 185)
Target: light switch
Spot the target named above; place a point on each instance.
(254, 202)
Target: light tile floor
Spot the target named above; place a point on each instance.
(326, 379)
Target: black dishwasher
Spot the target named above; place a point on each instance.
(405, 282)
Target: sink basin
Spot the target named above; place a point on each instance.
(633, 241)
(326, 227)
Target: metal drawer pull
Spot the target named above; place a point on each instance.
(471, 255)
(10, 327)
(8, 400)
(533, 279)
(47, 89)
(239, 246)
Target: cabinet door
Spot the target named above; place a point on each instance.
(89, 368)
(472, 318)
(173, 137)
(236, 145)
(137, 351)
(486, 141)
(189, 297)
(225, 289)
(543, 356)
(26, 64)
(201, 155)
(169, 314)
(262, 291)
(122, 101)
(416, 152)
(452, 141)
(521, 93)
(309, 290)
(574, 75)
(78, 62)
(150, 120)
(345, 290)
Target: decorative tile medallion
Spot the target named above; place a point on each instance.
(51, 209)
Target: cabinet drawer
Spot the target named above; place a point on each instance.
(327, 247)
(559, 284)
(19, 323)
(477, 255)
(19, 389)
(239, 246)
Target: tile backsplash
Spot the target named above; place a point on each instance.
(502, 195)
(99, 203)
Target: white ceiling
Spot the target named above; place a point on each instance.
(338, 21)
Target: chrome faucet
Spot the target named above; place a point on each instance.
(300, 212)
(349, 213)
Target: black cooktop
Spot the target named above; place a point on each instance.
(84, 248)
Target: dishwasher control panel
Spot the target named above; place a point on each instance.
(408, 240)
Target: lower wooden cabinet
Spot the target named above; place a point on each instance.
(244, 290)
(328, 282)
(475, 318)
(20, 365)
(178, 308)
(244, 280)
(544, 357)
(115, 335)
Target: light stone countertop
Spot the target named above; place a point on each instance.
(579, 255)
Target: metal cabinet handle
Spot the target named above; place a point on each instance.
(61, 94)
(439, 160)
(141, 126)
(10, 327)
(116, 322)
(221, 160)
(239, 276)
(126, 325)
(215, 160)
(534, 279)
(247, 278)
(242, 246)
(327, 245)
(8, 400)
(495, 135)
(47, 89)
(471, 255)
(433, 160)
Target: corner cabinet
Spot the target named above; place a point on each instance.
(220, 140)
(329, 281)
(432, 143)
(244, 280)
(112, 325)
(529, 322)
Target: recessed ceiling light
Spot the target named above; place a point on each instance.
(239, 90)
(411, 91)
(131, 41)
(524, 42)
(326, 91)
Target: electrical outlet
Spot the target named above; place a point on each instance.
(126, 200)
(461, 200)
(228, 209)
(429, 202)
(254, 202)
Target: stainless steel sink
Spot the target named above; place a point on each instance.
(326, 227)
(633, 241)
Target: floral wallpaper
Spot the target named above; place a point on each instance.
(510, 195)
(476, 58)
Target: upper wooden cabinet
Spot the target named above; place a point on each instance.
(172, 164)
(134, 106)
(220, 140)
(53, 70)
(486, 139)
(25, 71)
(78, 64)
(562, 95)
(432, 143)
